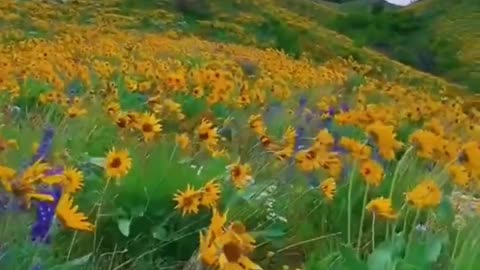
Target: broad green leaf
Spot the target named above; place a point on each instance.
(434, 246)
(445, 213)
(80, 261)
(124, 226)
(386, 254)
(351, 261)
(277, 230)
(98, 161)
(423, 253)
(380, 259)
(137, 211)
(159, 233)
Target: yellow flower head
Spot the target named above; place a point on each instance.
(384, 137)
(188, 201)
(208, 251)
(117, 164)
(217, 222)
(234, 245)
(426, 143)
(239, 230)
(329, 188)
(73, 180)
(358, 150)
(76, 111)
(182, 140)
(149, 125)
(256, 124)
(324, 140)
(240, 175)
(427, 194)
(210, 194)
(69, 217)
(289, 137)
(308, 160)
(382, 208)
(6, 176)
(207, 133)
(372, 172)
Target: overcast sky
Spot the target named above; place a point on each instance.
(400, 2)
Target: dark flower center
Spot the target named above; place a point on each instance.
(232, 252)
(203, 136)
(147, 127)
(236, 171)
(116, 163)
(122, 122)
(188, 201)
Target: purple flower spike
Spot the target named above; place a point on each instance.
(332, 111)
(45, 145)
(55, 171)
(344, 107)
(303, 101)
(309, 118)
(299, 139)
(45, 213)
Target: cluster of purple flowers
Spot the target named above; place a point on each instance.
(45, 215)
(45, 211)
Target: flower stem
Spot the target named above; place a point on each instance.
(71, 245)
(397, 169)
(362, 219)
(373, 232)
(394, 227)
(349, 210)
(455, 246)
(99, 210)
(412, 231)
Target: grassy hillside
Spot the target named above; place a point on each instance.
(458, 21)
(308, 23)
(436, 36)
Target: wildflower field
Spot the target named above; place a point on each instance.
(147, 136)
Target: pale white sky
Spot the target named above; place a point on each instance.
(401, 2)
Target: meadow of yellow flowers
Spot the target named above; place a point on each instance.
(127, 148)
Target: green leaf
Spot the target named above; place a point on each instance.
(386, 254)
(98, 161)
(80, 261)
(191, 106)
(159, 233)
(445, 213)
(351, 261)
(185, 160)
(423, 253)
(277, 230)
(380, 259)
(137, 211)
(124, 226)
(220, 111)
(434, 246)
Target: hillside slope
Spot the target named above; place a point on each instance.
(437, 36)
(299, 27)
(458, 21)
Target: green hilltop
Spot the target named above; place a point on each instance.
(425, 44)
